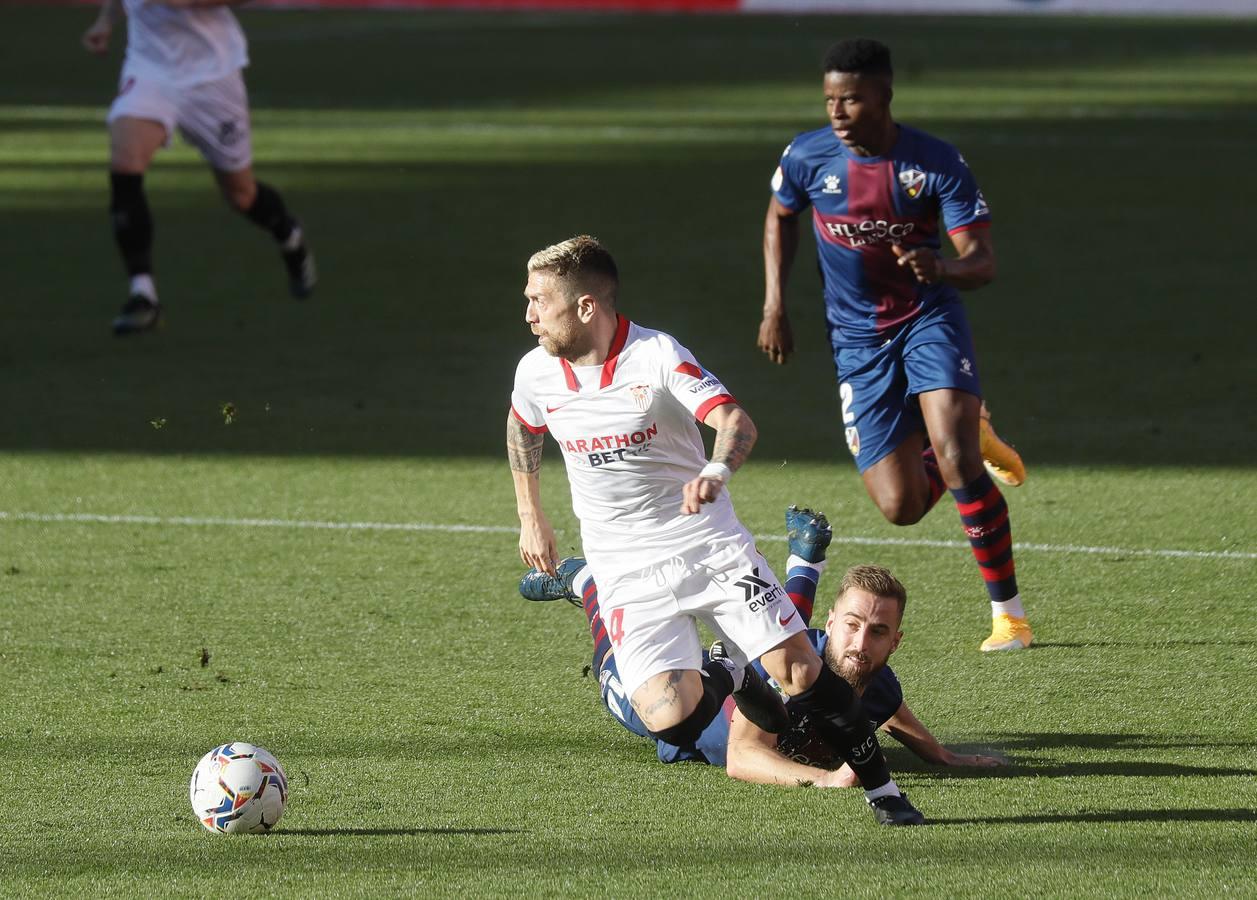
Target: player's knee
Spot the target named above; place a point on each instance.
(958, 462)
(901, 508)
(686, 731)
(794, 665)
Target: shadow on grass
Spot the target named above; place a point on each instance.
(391, 832)
(1142, 645)
(1039, 740)
(1118, 769)
(1112, 815)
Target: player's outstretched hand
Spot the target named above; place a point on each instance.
(538, 547)
(926, 265)
(775, 338)
(699, 491)
(976, 760)
(96, 38)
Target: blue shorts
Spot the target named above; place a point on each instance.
(711, 746)
(879, 385)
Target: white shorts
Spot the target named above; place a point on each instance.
(652, 614)
(213, 116)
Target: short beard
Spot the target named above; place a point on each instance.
(571, 344)
(859, 679)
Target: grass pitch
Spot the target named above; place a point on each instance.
(438, 732)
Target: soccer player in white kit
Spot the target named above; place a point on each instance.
(658, 528)
(183, 70)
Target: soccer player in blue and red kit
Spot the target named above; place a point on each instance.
(908, 379)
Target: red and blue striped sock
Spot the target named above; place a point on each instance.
(597, 628)
(985, 517)
(933, 475)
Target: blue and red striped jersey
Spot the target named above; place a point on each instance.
(860, 207)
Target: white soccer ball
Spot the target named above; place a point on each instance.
(238, 788)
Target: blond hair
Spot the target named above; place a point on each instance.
(877, 580)
(582, 262)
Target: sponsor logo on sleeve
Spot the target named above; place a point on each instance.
(980, 208)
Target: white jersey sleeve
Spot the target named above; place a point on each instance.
(524, 403)
(695, 388)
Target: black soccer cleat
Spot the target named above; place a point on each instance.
(302, 273)
(894, 809)
(139, 314)
(756, 700)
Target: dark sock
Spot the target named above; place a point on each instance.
(836, 712)
(933, 475)
(717, 686)
(132, 222)
(985, 517)
(268, 211)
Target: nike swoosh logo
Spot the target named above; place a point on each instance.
(554, 409)
(786, 620)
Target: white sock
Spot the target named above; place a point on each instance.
(579, 580)
(1008, 608)
(293, 241)
(143, 285)
(793, 561)
(888, 789)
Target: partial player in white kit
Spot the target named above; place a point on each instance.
(183, 70)
(658, 528)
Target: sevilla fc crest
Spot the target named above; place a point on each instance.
(642, 395)
(912, 181)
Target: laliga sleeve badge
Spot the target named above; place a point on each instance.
(853, 440)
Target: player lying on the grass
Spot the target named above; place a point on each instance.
(912, 410)
(860, 634)
(183, 69)
(657, 525)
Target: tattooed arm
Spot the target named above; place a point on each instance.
(735, 436)
(537, 545)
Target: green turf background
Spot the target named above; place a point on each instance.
(438, 732)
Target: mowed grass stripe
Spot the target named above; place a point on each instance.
(454, 528)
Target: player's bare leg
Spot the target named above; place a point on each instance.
(668, 699)
(952, 419)
(263, 205)
(132, 145)
(899, 483)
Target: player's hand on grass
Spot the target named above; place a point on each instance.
(538, 547)
(926, 265)
(839, 778)
(775, 337)
(96, 38)
(974, 760)
(699, 491)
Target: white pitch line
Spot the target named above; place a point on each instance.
(95, 518)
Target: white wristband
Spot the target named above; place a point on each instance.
(716, 470)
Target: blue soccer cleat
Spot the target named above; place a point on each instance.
(537, 585)
(807, 534)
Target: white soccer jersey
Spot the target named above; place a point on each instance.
(629, 439)
(183, 46)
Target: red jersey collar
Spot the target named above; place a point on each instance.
(613, 357)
